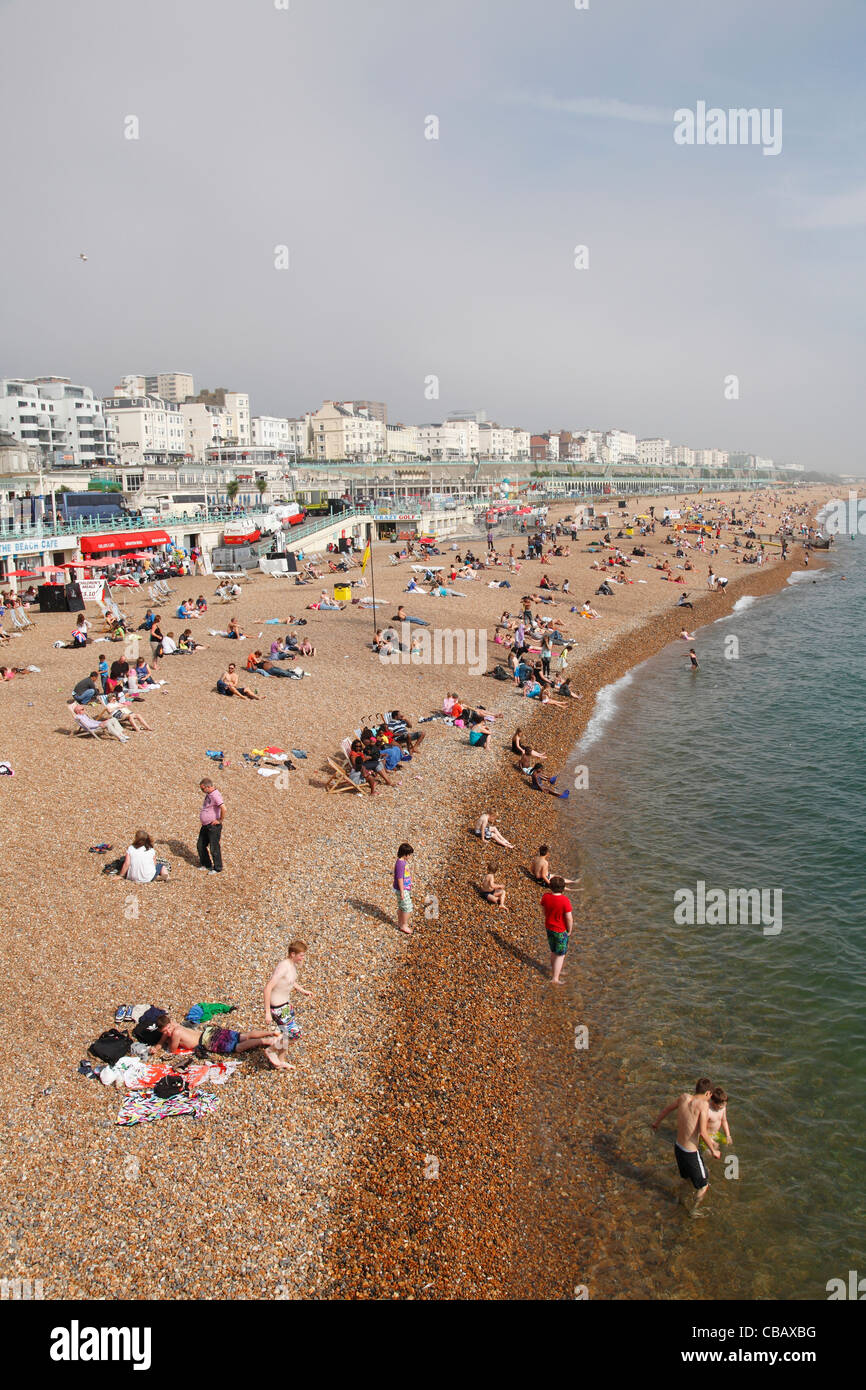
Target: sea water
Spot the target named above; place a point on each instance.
(747, 774)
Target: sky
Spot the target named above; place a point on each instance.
(304, 127)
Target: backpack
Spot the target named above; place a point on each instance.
(501, 673)
(111, 1046)
(169, 1086)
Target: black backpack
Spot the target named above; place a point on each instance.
(111, 1046)
(169, 1086)
(502, 673)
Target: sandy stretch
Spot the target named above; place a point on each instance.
(312, 1182)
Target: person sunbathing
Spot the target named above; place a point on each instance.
(186, 643)
(228, 685)
(125, 716)
(97, 717)
(587, 611)
(174, 1038)
(234, 631)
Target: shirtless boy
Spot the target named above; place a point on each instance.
(692, 1126)
(539, 868)
(278, 1006)
(493, 892)
(174, 1037)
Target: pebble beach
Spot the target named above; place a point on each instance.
(435, 1110)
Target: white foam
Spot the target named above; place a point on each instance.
(800, 576)
(743, 603)
(605, 708)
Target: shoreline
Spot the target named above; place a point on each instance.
(411, 1052)
(491, 1047)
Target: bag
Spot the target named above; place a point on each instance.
(169, 1086)
(111, 1046)
(501, 673)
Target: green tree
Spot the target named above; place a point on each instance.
(232, 489)
(262, 485)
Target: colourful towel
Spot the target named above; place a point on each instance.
(142, 1109)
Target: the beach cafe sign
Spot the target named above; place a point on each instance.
(36, 544)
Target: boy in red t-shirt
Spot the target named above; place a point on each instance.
(558, 922)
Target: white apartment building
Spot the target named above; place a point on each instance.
(654, 453)
(710, 458)
(451, 441)
(621, 446)
(147, 429)
(593, 441)
(238, 407)
(341, 431)
(30, 419)
(682, 456)
(495, 442)
(270, 432)
(521, 444)
(299, 437)
(66, 421)
(401, 441)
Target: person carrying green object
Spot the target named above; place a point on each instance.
(717, 1117)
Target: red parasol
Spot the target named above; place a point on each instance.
(22, 574)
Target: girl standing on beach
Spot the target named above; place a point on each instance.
(403, 888)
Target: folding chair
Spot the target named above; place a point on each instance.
(20, 619)
(339, 781)
(88, 728)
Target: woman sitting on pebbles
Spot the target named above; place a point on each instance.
(520, 748)
(141, 864)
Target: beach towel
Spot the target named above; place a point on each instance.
(142, 1109)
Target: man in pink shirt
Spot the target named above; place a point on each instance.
(211, 816)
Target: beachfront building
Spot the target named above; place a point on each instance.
(65, 422)
(710, 458)
(495, 442)
(621, 446)
(236, 404)
(449, 441)
(401, 441)
(207, 427)
(653, 453)
(342, 430)
(270, 431)
(147, 429)
(682, 456)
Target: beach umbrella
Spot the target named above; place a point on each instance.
(22, 574)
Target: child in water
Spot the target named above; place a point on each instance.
(717, 1117)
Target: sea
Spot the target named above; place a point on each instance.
(748, 773)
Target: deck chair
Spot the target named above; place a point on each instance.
(345, 745)
(88, 728)
(20, 619)
(339, 781)
(155, 597)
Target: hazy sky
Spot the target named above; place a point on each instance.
(409, 257)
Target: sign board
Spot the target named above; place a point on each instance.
(35, 545)
(92, 590)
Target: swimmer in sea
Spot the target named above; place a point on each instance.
(693, 658)
(687, 636)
